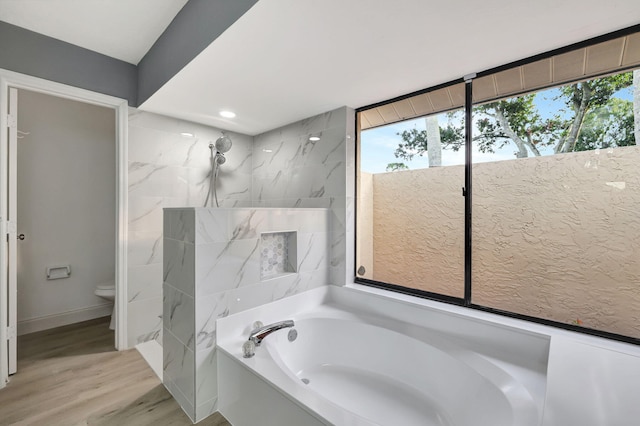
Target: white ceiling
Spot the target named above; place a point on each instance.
(122, 29)
(285, 60)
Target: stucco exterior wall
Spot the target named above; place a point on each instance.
(555, 237)
(364, 250)
(418, 229)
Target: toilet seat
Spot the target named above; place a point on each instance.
(108, 291)
(106, 287)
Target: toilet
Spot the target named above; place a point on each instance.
(107, 291)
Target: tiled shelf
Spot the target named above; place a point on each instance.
(278, 253)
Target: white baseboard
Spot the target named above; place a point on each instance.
(65, 318)
(151, 351)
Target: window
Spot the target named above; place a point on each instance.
(556, 195)
(554, 229)
(414, 242)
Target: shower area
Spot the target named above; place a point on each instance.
(170, 165)
(266, 219)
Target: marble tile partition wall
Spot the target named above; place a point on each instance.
(212, 269)
(178, 305)
(168, 169)
(289, 170)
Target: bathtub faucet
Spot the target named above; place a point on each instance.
(260, 333)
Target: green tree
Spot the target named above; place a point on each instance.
(592, 118)
(394, 167)
(513, 120)
(608, 126)
(415, 142)
(582, 98)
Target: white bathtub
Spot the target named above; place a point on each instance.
(367, 369)
(360, 360)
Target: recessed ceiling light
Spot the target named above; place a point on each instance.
(190, 135)
(314, 138)
(227, 114)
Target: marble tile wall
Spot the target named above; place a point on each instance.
(167, 169)
(289, 170)
(212, 269)
(212, 256)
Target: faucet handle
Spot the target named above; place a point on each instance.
(258, 324)
(248, 349)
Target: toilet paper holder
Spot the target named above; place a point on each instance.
(58, 272)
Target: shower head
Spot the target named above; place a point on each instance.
(220, 159)
(223, 143)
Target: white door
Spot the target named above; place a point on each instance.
(12, 190)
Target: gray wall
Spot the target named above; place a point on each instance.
(34, 54)
(66, 207)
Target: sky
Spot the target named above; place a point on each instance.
(378, 145)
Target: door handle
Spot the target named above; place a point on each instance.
(21, 237)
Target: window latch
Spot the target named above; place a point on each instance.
(464, 191)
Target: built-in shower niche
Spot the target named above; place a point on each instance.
(278, 254)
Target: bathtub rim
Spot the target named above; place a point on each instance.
(498, 320)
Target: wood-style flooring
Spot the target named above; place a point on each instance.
(73, 376)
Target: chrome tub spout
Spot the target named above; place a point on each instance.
(259, 334)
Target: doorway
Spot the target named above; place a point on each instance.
(9, 81)
(65, 211)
